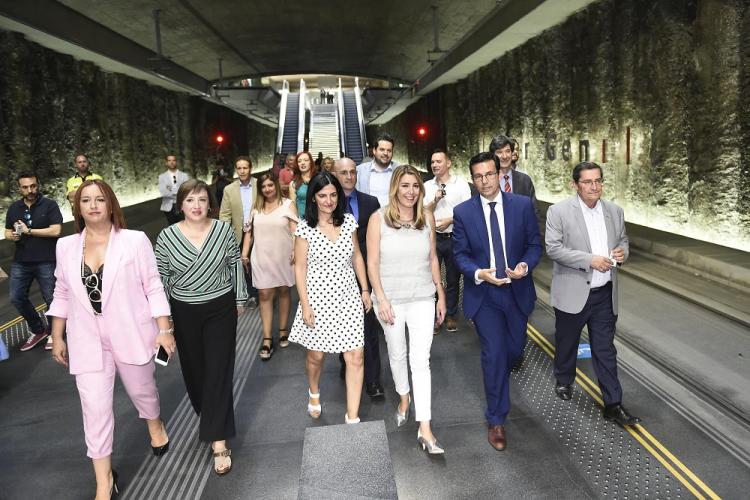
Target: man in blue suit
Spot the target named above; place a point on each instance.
(496, 244)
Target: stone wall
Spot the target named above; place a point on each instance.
(53, 106)
(674, 74)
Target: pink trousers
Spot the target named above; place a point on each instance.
(97, 392)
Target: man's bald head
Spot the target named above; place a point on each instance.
(345, 171)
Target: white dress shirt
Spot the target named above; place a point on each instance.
(501, 223)
(456, 191)
(246, 194)
(380, 183)
(597, 229)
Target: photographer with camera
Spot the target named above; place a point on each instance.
(442, 194)
(34, 224)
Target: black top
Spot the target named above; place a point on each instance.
(42, 214)
(93, 283)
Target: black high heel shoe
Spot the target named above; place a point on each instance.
(160, 450)
(163, 449)
(115, 491)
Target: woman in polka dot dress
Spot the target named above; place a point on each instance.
(330, 315)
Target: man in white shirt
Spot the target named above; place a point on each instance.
(169, 182)
(374, 177)
(586, 241)
(236, 205)
(442, 194)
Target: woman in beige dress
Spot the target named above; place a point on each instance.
(273, 221)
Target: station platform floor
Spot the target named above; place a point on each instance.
(683, 346)
(556, 449)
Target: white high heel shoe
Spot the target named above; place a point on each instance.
(350, 420)
(402, 418)
(433, 448)
(314, 410)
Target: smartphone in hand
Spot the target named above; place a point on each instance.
(161, 358)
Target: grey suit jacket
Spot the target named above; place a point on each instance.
(569, 248)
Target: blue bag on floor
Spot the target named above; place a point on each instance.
(3, 350)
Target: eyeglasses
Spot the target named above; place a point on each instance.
(589, 182)
(27, 219)
(484, 177)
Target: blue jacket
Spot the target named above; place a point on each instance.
(471, 248)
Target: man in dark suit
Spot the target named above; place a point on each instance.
(362, 206)
(586, 241)
(496, 244)
(511, 180)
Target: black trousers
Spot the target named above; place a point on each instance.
(444, 249)
(206, 336)
(373, 330)
(598, 316)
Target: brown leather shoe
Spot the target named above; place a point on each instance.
(436, 328)
(450, 324)
(496, 436)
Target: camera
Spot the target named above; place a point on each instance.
(17, 228)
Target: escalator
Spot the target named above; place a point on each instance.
(289, 125)
(352, 128)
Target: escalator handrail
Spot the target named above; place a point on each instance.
(282, 116)
(341, 119)
(360, 116)
(301, 115)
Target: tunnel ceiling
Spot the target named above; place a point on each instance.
(387, 39)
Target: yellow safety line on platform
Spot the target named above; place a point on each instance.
(593, 390)
(19, 319)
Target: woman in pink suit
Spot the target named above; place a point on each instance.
(110, 300)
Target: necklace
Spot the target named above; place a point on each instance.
(406, 224)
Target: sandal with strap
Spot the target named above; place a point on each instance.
(284, 339)
(266, 351)
(314, 410)
(218, 455)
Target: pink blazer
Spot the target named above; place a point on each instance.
(132, 296)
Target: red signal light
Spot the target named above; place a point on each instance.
(219, 139)
(422, 131)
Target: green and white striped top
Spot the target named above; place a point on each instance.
(197, 276)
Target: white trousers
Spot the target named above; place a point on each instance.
(419, 316)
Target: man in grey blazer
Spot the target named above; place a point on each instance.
(512, 180)
(586, 241)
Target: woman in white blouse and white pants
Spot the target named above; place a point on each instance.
(404, 273)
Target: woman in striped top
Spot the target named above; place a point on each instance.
(200, 266)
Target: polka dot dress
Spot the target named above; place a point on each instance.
(332, 291)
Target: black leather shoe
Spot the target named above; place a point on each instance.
(375, 390)
(620, 415)
(563, 391)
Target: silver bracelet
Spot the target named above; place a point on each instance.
(168, 330)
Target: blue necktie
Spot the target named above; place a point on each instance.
(497, 242)
(349, 205)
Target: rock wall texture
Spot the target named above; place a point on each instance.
(53, 106)
(673, 75)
